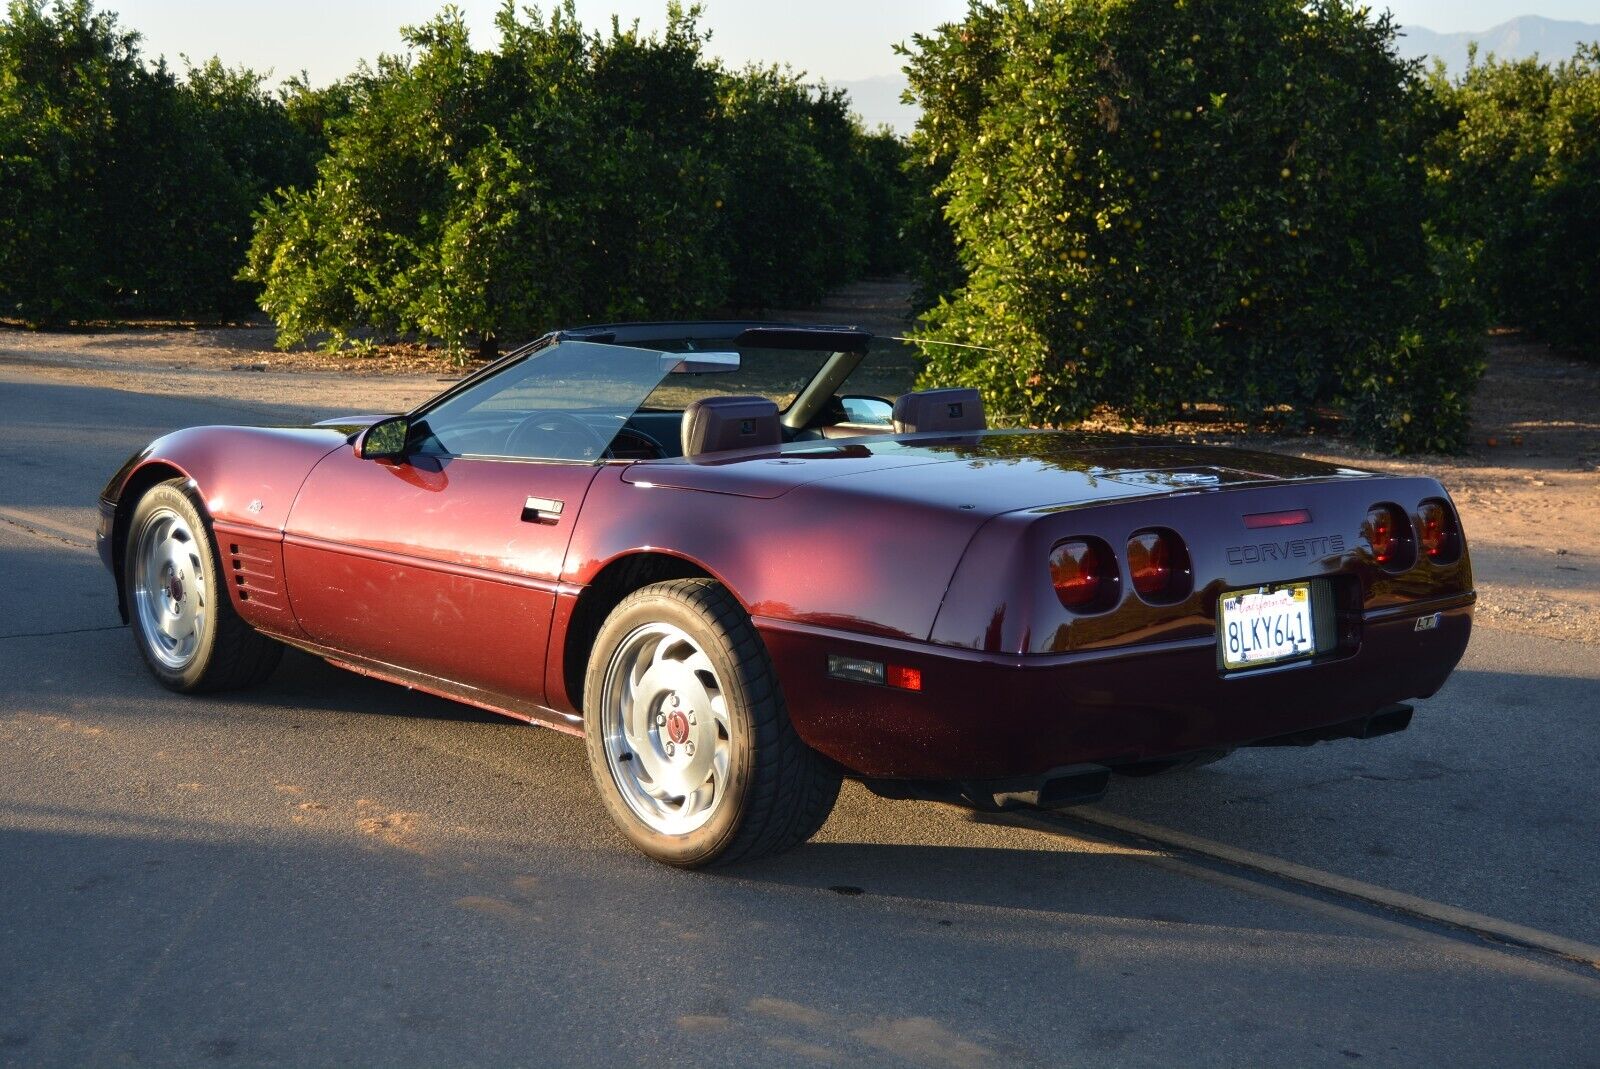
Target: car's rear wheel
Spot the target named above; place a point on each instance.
(183, 622)
(688, 738)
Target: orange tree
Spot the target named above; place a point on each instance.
(124, 188)
(565, 175)
(1161, 202)
(1514, 174)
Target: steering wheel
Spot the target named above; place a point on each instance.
(630, 444)
(555, 434)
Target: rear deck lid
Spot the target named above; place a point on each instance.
(990, 472)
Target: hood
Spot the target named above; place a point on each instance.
(245, 475)
(350, 424)
(988, 472)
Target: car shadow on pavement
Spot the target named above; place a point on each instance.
(969, 862)
(305, 681)
(1484, 803)
(1424, 812)
(152, 942)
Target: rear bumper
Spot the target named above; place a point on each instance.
(985, 716)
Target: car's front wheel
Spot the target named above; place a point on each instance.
(183, 622)
(688, 738)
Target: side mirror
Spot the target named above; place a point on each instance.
(384, 440)
(871, 411)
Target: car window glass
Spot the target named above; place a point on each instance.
(889, 369)
(566, 401)
(776, 374)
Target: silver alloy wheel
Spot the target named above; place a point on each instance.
(169, 589)
(665, 728)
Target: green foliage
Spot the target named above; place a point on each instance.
(949, 73)
(788, 147)
(126, 190)
(1412, 394)
(885, 189)
(929, 241)
(1515, 172)
(453, 192)
(1156, 203)
(565, 176)
(58, 78)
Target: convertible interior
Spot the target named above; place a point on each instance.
(819, 409)
(718, 424)
(661, 391)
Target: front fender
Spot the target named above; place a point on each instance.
(246, 479)
(244, 475)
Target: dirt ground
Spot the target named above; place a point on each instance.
(1528, 490)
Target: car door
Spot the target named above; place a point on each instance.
(435, 564)
(445, 561)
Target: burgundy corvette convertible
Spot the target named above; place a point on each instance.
(739, 581)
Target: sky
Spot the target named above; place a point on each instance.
(839, 40)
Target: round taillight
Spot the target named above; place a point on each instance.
(1388, 535)
(1436, 531)
(1158, 565)
(1079, 570)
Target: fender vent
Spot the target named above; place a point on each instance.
(254, 571)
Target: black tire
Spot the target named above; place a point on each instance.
(229, 654)
(1186, 763)
(780, 791)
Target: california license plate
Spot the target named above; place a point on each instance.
(1266, 625)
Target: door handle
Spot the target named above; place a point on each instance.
(542, 510)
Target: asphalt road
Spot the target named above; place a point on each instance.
(335, 871)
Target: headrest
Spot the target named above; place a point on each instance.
(939, 410)
(713, 424)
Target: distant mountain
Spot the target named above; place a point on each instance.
(1522, 37)
(877, 100)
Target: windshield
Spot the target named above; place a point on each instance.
(776, 374)
(565, 401)
(585, 401)
(573, 400)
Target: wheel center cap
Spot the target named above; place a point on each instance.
(677, 727)
(175, 588)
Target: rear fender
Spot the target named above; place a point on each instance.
(824, 557)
